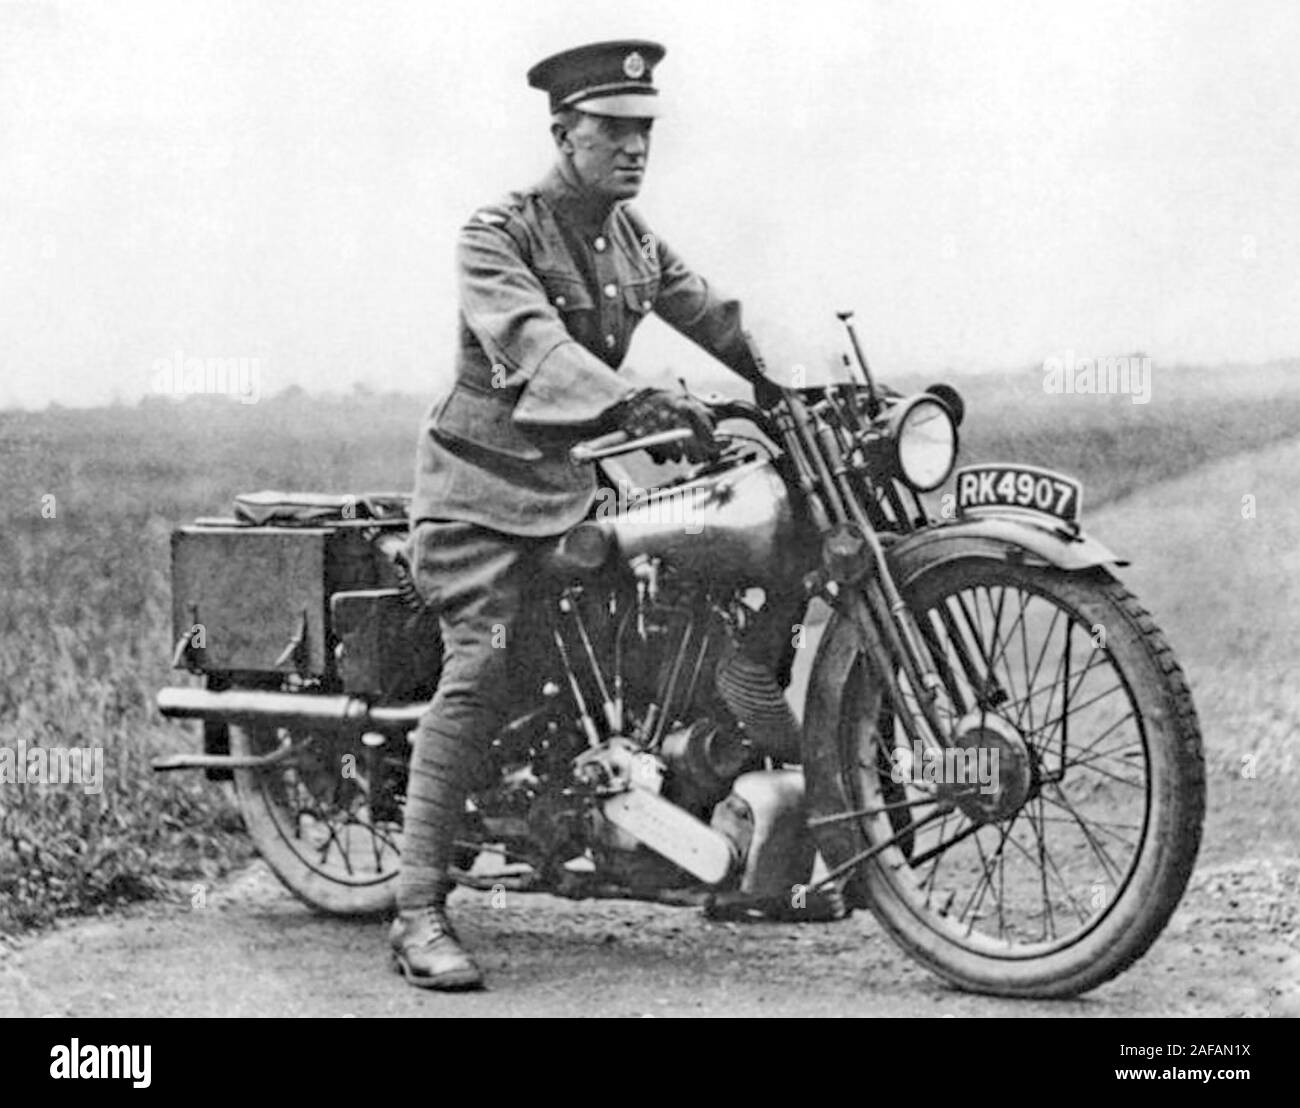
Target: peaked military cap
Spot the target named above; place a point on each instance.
(602, 78)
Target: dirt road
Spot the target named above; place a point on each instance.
(1225, 587)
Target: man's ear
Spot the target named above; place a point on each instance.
(560, 133)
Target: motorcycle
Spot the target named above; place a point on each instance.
(999, 755)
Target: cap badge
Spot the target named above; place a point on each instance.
(634, 66)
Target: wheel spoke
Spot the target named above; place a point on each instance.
(1077, 708)
(1000, 655)
(871, 851)
(933, 875)
(985, 882)
(940, 848)
(1040, 836)
(375, 843)
(1024, 662)
(328, 823)
(874, 810)
(1116, 777)
(1056, 872)
(1099, 849)
(1132, 746)
(1104, 734)
(1038, 665)
(1107, 827)
(332, 837)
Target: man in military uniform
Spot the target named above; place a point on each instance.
(553, 282)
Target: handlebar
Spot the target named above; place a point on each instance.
(618, 442)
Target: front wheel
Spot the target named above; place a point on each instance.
(1044, 849)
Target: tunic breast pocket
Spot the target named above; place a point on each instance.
(639, 296)
(568, 295)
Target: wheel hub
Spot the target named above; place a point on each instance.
(995, 768)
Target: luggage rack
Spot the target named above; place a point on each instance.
(253, 591)
(312, 509)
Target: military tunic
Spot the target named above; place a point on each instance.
(550, 295)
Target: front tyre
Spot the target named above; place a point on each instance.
(1045, 852)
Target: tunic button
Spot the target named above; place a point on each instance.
(610, 340)
(611, 291)
(645, 305)
(560, 301)
(599, 244)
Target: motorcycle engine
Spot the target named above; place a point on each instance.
(656, 667)
(702, 760)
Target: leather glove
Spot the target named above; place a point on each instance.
(654, 410)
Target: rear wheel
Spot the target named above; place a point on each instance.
(1045, 851)
(329, 834)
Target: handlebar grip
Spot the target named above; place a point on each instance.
(594, 446)
(618, 442)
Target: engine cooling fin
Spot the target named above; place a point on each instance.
(750, 691)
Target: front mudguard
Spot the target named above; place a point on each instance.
(1004, 537)
(850, 633)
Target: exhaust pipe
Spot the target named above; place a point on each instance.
(277, 709)
(285, 709)
(280, 709)
(165, 762)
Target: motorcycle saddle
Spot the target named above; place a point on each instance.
(316, 508)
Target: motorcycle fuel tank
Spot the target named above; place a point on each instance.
(736, 524)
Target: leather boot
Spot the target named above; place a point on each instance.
(427, 951)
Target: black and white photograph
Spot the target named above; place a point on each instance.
(648, 509)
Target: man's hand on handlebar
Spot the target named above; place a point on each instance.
(654, 410)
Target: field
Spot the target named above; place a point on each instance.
(91, 496)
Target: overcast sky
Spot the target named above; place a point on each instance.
(988, 184)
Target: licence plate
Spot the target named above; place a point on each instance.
(1020, 488)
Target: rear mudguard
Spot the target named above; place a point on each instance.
(989, 537)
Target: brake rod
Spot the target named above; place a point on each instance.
(858, 813)
(866, 855)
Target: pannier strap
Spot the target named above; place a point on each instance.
(315, 508)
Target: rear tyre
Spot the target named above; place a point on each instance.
(314, 819)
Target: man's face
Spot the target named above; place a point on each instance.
(609, 155)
